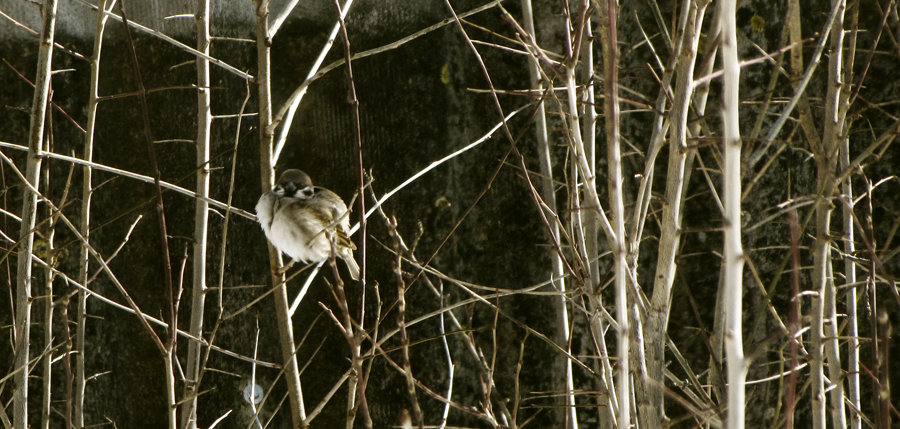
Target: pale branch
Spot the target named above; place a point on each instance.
(801, 88)
(267, 181)
(733, 254)
(21, 333)
(434, 164)
(285, 116)
(170, 40)
(87, 189)
(201, 216)
(140, 177)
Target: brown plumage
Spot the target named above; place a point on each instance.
(305, 221)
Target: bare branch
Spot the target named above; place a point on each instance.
(267, 175)
(733, 259)
(172, 41)
(36, 147)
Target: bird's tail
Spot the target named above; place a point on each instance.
(351, 265)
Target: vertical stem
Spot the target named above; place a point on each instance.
(716, 377)
(167, 349)
(48, 232)
(826, 308)
(884, 403)
(253, 385)
(584, 169)
(357, 140)
(733, 252)
(39, 103)
(356, 396)
(853, 391)
(617, 206)
(874, 312)
(170, 388)
(807, 123)
(85, 221)
(154, 168)
(267, 174)
(817, 400)
(652, 408)
(401, 321)
(588, 212)
(201, 207)
(353, 338)
(587, 223)
(47, 294)
(588, 118)
(562, 367)
(794, 322)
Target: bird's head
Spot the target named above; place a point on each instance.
(294, 183)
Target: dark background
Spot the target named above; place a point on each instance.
(417, 105)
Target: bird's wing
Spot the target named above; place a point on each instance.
(341, 216)
(343, 238)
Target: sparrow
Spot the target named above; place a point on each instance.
(306, 222)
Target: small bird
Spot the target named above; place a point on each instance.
(306, 221)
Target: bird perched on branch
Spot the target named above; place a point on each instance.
(306, 222)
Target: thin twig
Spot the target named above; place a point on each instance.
(168, 39)
(285, 116)
(84, 221)
(801, 89)
(143, 178)
(154, 167)
(401, 323)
